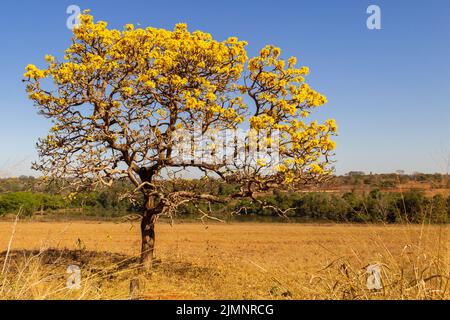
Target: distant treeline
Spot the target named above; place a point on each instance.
(389, 207)
(351, 179)
(374, 206)
(391, 180)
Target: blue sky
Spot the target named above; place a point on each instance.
(388, 89)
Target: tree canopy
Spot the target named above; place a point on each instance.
(118, 98)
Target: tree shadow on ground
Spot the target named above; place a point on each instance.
(62, 258)
(104, 269)
(94, 261)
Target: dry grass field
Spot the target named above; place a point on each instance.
(225, 261)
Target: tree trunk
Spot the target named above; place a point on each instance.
(148, 234)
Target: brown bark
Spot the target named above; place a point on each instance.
(148, 234)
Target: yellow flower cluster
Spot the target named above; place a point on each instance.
(261, 162)
(261, 122)
(280, 85)
(282, 99)
(33, 72)
(49, 58)
(315, 168)
(40, 97)
(127, 91)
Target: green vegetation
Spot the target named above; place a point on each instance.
(412, 206)
(30, 202)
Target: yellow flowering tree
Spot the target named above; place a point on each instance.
(118, 98)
